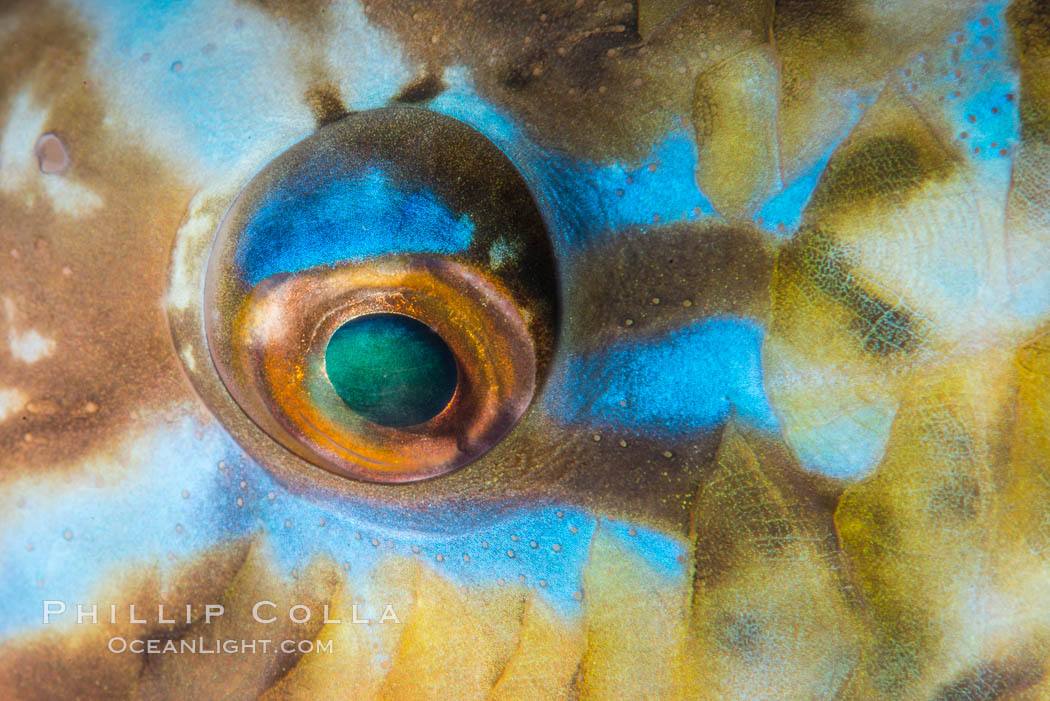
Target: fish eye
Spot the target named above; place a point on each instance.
(381, 298)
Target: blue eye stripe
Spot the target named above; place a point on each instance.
(680, 383)
(319, 218)
(186, 502)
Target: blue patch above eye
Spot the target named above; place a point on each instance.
(320, 218)
(585, 200)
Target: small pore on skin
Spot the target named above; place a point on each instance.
(52, 154)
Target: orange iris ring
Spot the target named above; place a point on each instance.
(282, 331)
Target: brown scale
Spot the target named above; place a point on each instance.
(631, 287)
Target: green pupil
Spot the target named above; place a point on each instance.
(391, 369)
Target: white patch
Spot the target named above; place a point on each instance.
(367, 64)
(836, 423)
(268, 319)
(187, 357)
(203, 89)
(190, 256)
(186, 276)
(70, 197)
(11, 402)
(20, 169)
(943, 252)
(502, 251)
(27, 346)
(25, 123)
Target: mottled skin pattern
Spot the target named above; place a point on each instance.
(793, 439)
